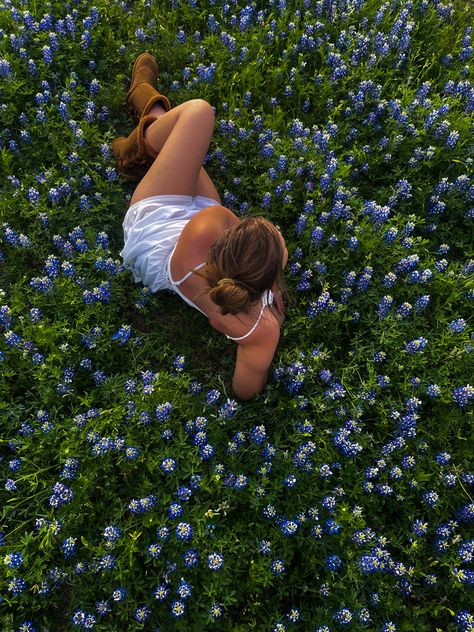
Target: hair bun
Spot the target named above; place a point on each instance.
(224, 281)
(231, 295)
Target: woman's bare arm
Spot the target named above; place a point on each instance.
(251, 367)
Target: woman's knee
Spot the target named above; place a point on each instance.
(202, 108)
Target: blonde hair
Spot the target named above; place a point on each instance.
(242, 263)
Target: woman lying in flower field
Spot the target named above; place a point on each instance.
(176, 227)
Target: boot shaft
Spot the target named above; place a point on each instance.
(143, 95)
(134, 154)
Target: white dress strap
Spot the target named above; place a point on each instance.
(253, 328)
(186, 276)
(176, 283)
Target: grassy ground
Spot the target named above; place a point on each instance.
(342, 496)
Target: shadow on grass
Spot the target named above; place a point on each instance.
(171, 324)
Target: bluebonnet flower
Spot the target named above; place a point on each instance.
(16, 585)
(69, 547)
(228, 409)
(431, 498)
(317, 235)
(200, 438)
(177, 608)
(331, 527)
(69, 470)
(332, 562)
(384, 306)
(14, 465)
(163, 411)
(154, 550)
(215, 561)
(465, 619)
(383, 381)
(79, 618)
(422, 303)
(258, 434)
(343, 616)
(102, 608)
(118, 594)
(206, 452)
(457, 325)
(289, 481)
(184, 531)
(27, 626)
(191, 558)
(466, 552)
(142, 613)
(293, 615)
(183, 492)
(452, 139)
(289, 527)
(99, 377)
(415, 346)
(13, 560)
(184, 589)
(175, 510)
(61, 495)
(163, 532)
(47, 54)
(179, 363)
(140, 505)
(465, 513)
(140, 34)
(168, 465)
(161, 592)
(215, 611)
(277, 566)
(464, 576)
(131, 453)
(442, 458)
(112, 533)
(6, 71)
(240, 481)
(352, 243)
(212, 396)
(462, 394)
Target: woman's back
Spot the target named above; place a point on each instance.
(190, 253)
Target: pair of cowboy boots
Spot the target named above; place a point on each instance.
(134, 154)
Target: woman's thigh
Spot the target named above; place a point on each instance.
(182, 137)
(205, 187)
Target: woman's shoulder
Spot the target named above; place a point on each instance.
(216, 215)
(197, 236)
(206, 226)
(265, 333)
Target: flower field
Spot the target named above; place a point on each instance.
(136, 492)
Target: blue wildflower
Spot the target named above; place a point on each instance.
(277, 566)
(215, 561)
(184, 531)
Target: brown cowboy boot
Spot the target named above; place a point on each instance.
(134, 154)
(143, 95)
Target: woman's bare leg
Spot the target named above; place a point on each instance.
(182, 137)
(204, 185)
